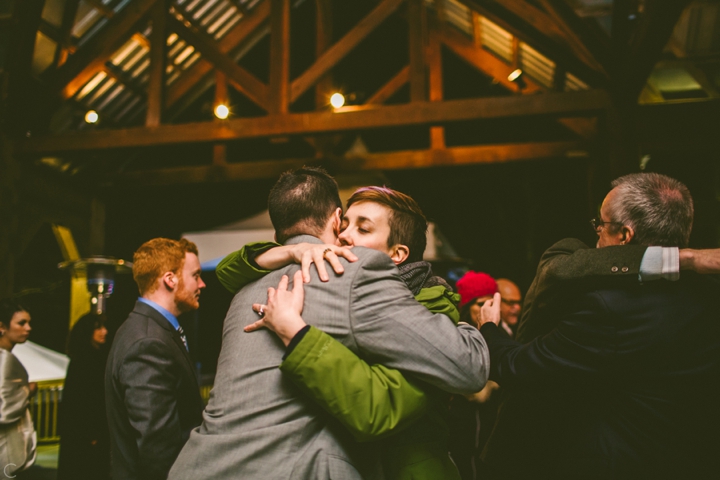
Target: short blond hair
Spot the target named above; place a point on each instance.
(157, 256)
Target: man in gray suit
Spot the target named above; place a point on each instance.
(257, 424)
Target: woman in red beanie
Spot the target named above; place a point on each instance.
(474, 289)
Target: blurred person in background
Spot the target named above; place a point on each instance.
(17, 433)
(474, 289)
(84, 437)
(511, 305)
(472, 416)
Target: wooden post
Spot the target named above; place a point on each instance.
(437, 134)
(416, 28)
(323, 40)
(221, 97)
(158, 54)
(64, 42)
(279, 56)
(477, 29)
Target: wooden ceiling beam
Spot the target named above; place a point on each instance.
(342, 47)
(574, 104)
(89, 60)
(586, 36)
(547, 45)
(417, 26)
(244, 29)
(484, 61)
(490, 65)
(238, 77)
(158, 57)
(279, 56)
(64, 40)
(390, 88)
(105, 10)
(402, 160)
(543, 23)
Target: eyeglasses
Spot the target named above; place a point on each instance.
(596, 223)
(512, 303)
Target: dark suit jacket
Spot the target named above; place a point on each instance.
(623, 386)
(152, 394)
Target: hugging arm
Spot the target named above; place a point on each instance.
(391, 328)
(371, 401)
(577, 350)
(255, 260)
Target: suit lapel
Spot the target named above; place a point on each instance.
(157, 317)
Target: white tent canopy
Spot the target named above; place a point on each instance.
(41, 363)
(214, 245)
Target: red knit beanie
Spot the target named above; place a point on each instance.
(474, 285)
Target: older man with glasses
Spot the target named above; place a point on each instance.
(618, 374)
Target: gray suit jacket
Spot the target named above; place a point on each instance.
(258, 425)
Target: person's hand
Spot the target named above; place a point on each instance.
(702, 261)
(283, 309)
(307, 254)
(490, 311)
(32, 387)
(483, 395)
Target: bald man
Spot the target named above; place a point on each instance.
(511, 305)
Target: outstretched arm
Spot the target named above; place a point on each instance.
(255, 260)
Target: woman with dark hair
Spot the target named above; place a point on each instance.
(84, 438)
(17, 434)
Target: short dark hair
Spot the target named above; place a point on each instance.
(657, 207)
(302, 201)
(408, 225)
(8, 309)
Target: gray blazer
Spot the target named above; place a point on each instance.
(258, 425)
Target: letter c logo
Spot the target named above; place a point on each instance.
(5, 470)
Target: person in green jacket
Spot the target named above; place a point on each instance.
(372, 401)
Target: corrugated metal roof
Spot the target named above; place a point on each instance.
(117, 92)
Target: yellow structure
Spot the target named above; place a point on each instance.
(79, 294)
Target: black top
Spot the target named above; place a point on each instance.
(626, 385)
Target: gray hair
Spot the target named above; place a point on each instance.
(658, 208)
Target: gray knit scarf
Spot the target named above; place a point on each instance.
(419, 275)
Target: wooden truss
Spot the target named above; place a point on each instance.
(555, 30)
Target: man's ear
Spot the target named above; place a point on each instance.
(337, 221)
(169, 280)
(399, 253)
(628, 234)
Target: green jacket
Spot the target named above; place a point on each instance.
(371, 401)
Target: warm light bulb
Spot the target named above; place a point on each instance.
(92, 116)
(337, 100)
(514, 75)
(222, 111)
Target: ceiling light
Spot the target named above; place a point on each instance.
(91, 116)
(222, 111)
(337, 100)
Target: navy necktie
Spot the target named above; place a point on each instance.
(183, 338)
